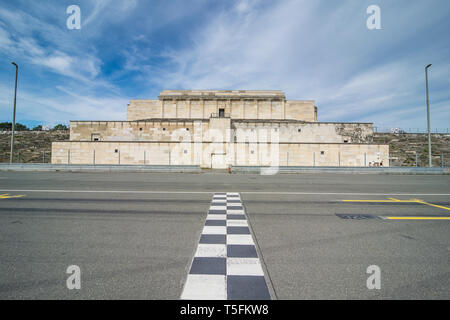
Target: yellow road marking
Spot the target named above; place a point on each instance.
(388, 201)
(7, 196)
(371, 201)
(417, 218)
(433, 205)
(392, 200)
(398, 200)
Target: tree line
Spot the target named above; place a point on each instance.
(7, 126)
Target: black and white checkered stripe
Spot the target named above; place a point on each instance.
(226, 263)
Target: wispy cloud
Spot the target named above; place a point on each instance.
(323, 51)
(317, 50)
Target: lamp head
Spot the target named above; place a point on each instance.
(428, 66)
(14, 63)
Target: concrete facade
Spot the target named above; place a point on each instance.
(237, 104)
(216, 129)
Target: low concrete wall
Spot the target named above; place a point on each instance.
(98, 168)
(206, 154)
(351, 170)
(234, 169)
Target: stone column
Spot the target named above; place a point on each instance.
(189, 106)
(203, 107)
(271, 108)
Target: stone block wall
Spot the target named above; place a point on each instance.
(144, 109)
(222, 129)
(235, 109)
(134, 130)
(220, 155)
(298, 132)
(257, 128)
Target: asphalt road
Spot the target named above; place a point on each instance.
(134, 235)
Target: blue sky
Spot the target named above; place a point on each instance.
(316, 49)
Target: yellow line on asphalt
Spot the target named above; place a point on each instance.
(398, 200)
(394, 200)
(7, 196)
(388, 201)
(368, 201)
(417, 218)
(433, 205)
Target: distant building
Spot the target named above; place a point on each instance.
(216, 129)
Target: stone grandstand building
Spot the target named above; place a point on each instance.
(218, 129)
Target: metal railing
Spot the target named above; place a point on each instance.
(220, 115)
(98, 168)
(348, 170)
(410, 130)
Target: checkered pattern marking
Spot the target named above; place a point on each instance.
(226, 263)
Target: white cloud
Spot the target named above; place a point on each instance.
(20, 44)
(5, 41)
(108, 10)
(80, 68)
(46, 49)
(67, 105)
(318, 50)
(315, 50)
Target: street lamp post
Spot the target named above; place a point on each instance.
(428, 117)
(14, 115)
